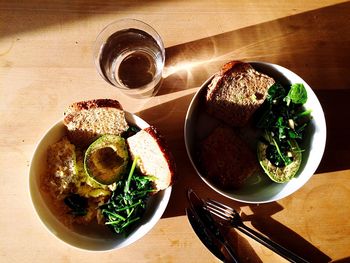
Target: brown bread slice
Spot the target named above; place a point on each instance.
(226, 160)
(236, 92)
(87, 120)
(154, 156)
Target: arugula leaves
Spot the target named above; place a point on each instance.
(128, 201)
(283, 119)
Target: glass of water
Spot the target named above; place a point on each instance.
(129, 54)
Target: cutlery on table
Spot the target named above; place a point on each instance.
(207, 239)
(232, 216)
(207, 229)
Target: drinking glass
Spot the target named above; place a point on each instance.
(129, 54)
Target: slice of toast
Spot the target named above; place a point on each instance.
(87, 120)
(154, 157)
(236, 92)
(225, 158)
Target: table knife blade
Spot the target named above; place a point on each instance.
(210, 226)
(203, 235)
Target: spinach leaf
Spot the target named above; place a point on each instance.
(297, 94)
(276, 92)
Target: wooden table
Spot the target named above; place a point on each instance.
(46, 64)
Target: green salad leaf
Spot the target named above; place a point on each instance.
(297, 94)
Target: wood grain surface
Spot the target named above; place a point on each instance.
(46, 63)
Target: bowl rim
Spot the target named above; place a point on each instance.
(159, 202)
(321, 142)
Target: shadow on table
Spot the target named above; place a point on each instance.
(343, 260)
(297, 42)
(262, 220)
(335, 105)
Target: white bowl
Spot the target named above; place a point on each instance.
(259, 188)
(101, 238)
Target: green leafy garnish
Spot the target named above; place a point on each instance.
(283, 119)
(297, 94)
(128, 201)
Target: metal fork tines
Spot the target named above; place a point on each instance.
(223, 211)
(231, 215)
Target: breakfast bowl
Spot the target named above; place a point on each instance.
(91, 237)
(258, 188)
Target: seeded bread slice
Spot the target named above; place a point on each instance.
(154, 157)
(225, 158)
(236, 92)
(87, 120)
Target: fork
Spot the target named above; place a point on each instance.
(229, 214)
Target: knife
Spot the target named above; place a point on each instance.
(203, 235)
(207, 230)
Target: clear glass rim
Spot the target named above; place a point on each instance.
(101, 36)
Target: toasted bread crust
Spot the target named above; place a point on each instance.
(164, 171)
(236, 92)
(165, 151)
(97, 103)
(87, 120)
(218, 78)
(90, 104)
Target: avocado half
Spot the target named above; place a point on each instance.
(279, 174)
(106, 159)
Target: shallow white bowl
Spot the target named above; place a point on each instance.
(99, 239)
(259, 188)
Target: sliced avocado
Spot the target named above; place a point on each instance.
(279, 174)
(106, 159)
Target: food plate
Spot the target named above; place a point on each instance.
(97, 238)
(259, 188)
